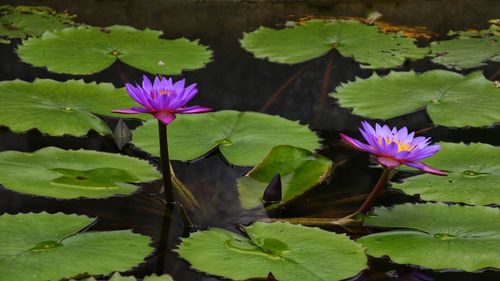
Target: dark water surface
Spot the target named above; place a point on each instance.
(236, 80)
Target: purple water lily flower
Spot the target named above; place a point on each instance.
(163, 99)
(393, 148)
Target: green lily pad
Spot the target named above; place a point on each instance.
(470, 49)
(118, 277)
(243, 138)
(68, 174)
(450, 99)
(473, 175)
(42, 246)
(60, 108)
(437, 236)
(299, 170)
(314, 38)
(87, 50)
(290, 252)
(22, 21)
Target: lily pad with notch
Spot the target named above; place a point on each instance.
(314, 38)
(87, 50)
(243, 138)
(68, 174)
(473, 175)
(42, 246)
(437, 236)
(299, 169)
(449, 98)
(60, 108)
(290, 252)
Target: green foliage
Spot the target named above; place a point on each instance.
(243, 138)
(60, 108)
(290, 252)
(450, 99)
(299, 169)
(87, 50)
(437, 236)
(473, 175)
(68, 174)
(42, 246)
(23, 21)
(314, 38)
(469, 50)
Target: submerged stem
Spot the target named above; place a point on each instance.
(165, 163)
(382, 181)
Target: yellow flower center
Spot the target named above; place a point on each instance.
(164, 92)
(402, 146)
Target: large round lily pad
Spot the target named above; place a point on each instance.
(473, 175)
(67, 174)
(49, 247)
(22, 21)
(299, 170)
(470, 49)
(86, 50)
(314, 38)
(243, 138)
(59, 108)
(290, 252)
(450, 99)
(437, 236)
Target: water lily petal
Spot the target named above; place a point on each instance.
(425, 168)
(133, 110)
(356, 144)
(388, 162)
(165, 117)
(194, 109)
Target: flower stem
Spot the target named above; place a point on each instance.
(382, 181)
(165, 163)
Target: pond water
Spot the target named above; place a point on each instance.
(234, 79)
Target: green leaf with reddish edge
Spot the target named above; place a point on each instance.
(42, 246)
(300, 170)
(68, 174)
(290, 252)
(473, 175)
(314, 38)
(450, 99)
(60, 108)
(437, 236)
(243, 138)
(87, 50)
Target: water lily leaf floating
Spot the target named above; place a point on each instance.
(473, 175)
(449, 98)
(117, 277)
(299, 170)
(59, 108)
(243, 138)
(290, 252)
(42, 246)
(23, 21)
(470, 49)
(87, 50)
(314, 38)
(437, 236)
(68, 174)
